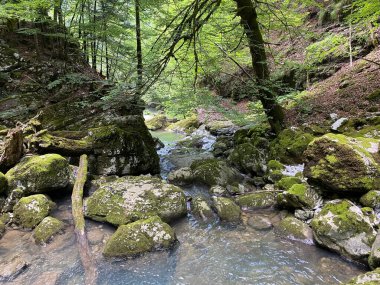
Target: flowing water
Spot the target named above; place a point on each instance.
(207, 253)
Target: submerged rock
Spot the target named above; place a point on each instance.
(139, 237)
(369, 278)
(343, 164)
(227, 210)
(9, 270)
(259, 222)
(200, 208)
(342, 227)
(248, 159)
(132, 198)
(295, 229)
(214, 172)
(300, 196)
(31, 210)
(47, 229)
(40, 174)
(259, 199)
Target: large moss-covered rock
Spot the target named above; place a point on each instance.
(259, 199)
(139, 237)
(132, 198)
(187, 125)
(226, 209)
(294, 229)
(371, 199)
(128, 150)
(300, 196)
(214, 172)
(47, 229)
(248, 159)
(289, 146)
(369, 278)
(31, 210)
(287, 182)
(343, 164)
(40, 174)
(157, 122)
(3, 184)
(342, 227)
(182, 176)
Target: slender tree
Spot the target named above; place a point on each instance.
(138, 50)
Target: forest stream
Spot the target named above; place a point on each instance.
(213, 253)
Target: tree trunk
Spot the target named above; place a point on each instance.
(79, 223)
(138, 51)
(274, 112)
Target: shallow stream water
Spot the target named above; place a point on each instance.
(206, 253)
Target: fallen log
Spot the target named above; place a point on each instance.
(13, 149)
(79, 223)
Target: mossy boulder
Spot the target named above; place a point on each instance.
(214, 172)
(289, 146)
(182, 176)
(343, 164)
(371, 199)
(201, 209)
(259, 199)
(157, 122)
(140, 237)
(287, 182)
(226, 209)
(186, 125)
(374, 257)
(248, 159)
(47, 229)
(3, 184)
(294, 229)
(218, 191)
(368, 278)
(31, 210)
(40, 174)
(130, 198)
(300, 196)
(342, 227)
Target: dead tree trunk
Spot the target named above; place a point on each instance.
(78, 216)
(13, 149)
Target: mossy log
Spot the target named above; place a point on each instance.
(78, 216)
(43, 142)
(13, 149)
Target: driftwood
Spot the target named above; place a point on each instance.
(13, 148)
(78, 216)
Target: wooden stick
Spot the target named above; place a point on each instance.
(78, 216)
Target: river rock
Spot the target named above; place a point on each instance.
(10, 269)
(40, 174)
(343, 164)
(287, 182)
(182, 176)
(369, 278)
(259, 199)
(200, 208)
(3, 184)
(47, 229)
(14, 196)
(218, 191)
(248, 159)
(214, 172)
(31, 210)
(374, 257)
(139, 237)
(47, 278)
(131, 198)
(300, 196)
(342, 227)
(259, 222)
(371, 199)
(226, 209)
(294, 229)
(157, 122)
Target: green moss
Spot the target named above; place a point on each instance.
(299, 196)
(187, 125)
(371, 199)
(31, 210)
(39, 174)
(294, 229)
(156, 123)
(248, 159)
(262, 199)
(374, 96)
(214, 172)
(3, 184)
(227, 210)
(287, 182)
(139, 237)
(47, 229)
(275, 165)
(331, 159)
